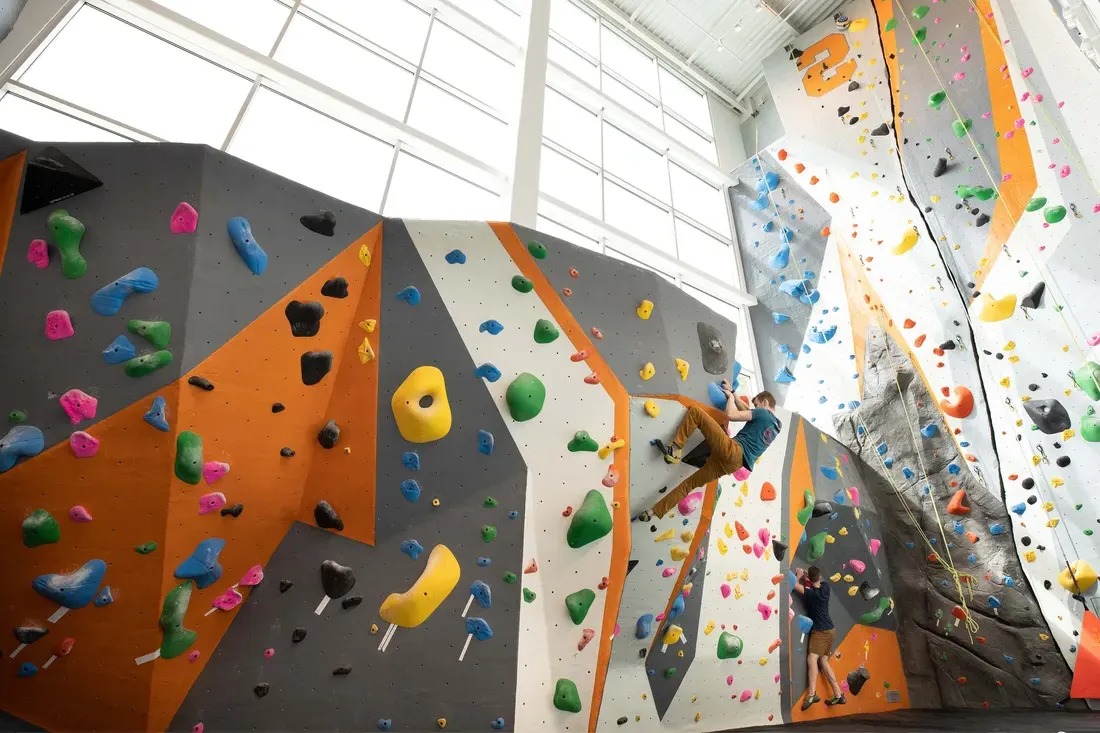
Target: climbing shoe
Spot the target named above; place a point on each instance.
(810, 700)
(673, 453)
(842, 700)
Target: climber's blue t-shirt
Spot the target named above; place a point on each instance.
(757, 434)
(817, 605)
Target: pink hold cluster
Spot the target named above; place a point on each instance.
(214, 470)
(80, 514)
(765, 535)
(184, 219)
(858, 565)
(211, 502)
(78, 405)
(253, 576)
(229, 600)
(58, 325)
(690, 503)
(83, 445)
(38, 254)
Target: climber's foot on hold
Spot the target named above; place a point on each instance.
(810, 700)
(842, 700)
(673, 453)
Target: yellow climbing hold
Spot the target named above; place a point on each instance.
(1030, 555)
(935, 199)
(419, 424)
(853, 589)
(708, 628)
(373, 629)
(1048, 506)
(645, 309)
(1056, 482)
(1080, 580)
(1067, 434)
(763, 661)
(605, 451)
(364, 255)
(728, 530)
(908, 241)
(849, 578)
(672, 635)
(647, 372)
(414, 606)
(737, 592)
(829, 539)
(994, 309)
(677, 553)
(1009, 346)
(680, 653)
(843, 531)
(651, 408)
(834, 578)
(739, 501)
(1052, 523)
(365, 351)
(666, 535)
(682, 367)
(1006, 382)
(698, 716)
(368, 325)
(744, 573)
(744, 488)
(686, 535)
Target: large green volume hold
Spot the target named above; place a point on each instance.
(589, 523)
(40, 528)
(525, 397)
(189, 457)
(872, 616)
(176, 638)
(566, 696)
(729, 646)
(578, 604)
(1087, 378)
(805, 512)
(817, 546)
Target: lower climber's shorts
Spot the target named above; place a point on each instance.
(822, 642)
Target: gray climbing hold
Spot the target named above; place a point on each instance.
(940, 169)
(982, 220)
(883, 129)
(1048, 415)
(1034, 298)
(298, 635)
(852, 86)
(857, 678)
(822, 508)
(329, 435)
(715, 356)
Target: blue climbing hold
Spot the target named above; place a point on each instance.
(907, 472)
(410, 489)
(497, 724)
(910, 545)
(794, 288)
(72, 590)
(513, 514)
(107, 300)
(809, 275)
(930, 430)
(1008, 582)
(456, 257)
(810, 297)
(716, 395)
(157, 414)
(485, 442)
(784, 376)
(829, 472)
(786, 235)
(22, 441)
(769, 226)
(479, 628)
(888, 462)
(1008, 659)
(203, 566)
(780, 318)
(996, 529)
(957, 526)
(484, 561)
(953, 469)
(823, 336)
(644, 627)
(119, 350)
(779, 260)
(1035, 681)
(26, 669)
(861, 431)
(806, 350)
(487, 371)
(479, 589)
(784, 349)
(105, 597)
(412, 548)
(410, 460)
(677, 607)
(240, 231)
(385, 723)
(881, 448)
(760, 203)
(822, 400)
(409, 294)
(994, 602)
(964, 444)
(769, 182)
(491, 327)
(972, 558)
(1019, 509)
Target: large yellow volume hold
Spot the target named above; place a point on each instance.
(420, 406)
(1080, 580)
(908, 241)
(414, 606)
(994, 309)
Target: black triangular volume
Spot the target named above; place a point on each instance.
(1035, 297)
(52, 176)
(630, 566)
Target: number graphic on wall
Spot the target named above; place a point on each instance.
(826, 74)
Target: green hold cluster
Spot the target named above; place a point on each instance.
(566, 696)
(522, 284)
(1036, 203)
(817, 546)
(960, 127)
(176, 638)
(582, 441)
(589, 523)
(806, 511)
(935, 99)
(1054, 214)
(17, 416)
(730, 646)
(978, 192)
(528, 595)
(546, 332)
(920, 36)
(537, 249)
(578, 603)
(158, 333)
(872, 616)
(509, 577)
(40, 528)
(141, 366)
(146, 548)
(525, 397)
(65, 234)
(488, 533)
(189, 457)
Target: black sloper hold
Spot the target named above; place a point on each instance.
(29, 634)
(262, 689)
(315, 365)
(1046, 584)
(201, 382)
(323, 223)
(1049, 415)
(326, 517)
(285, 585)
(883, 129)
(982, 220)
(329, 435)
(1062, 461)
(841, 111)
(947, 345)
(857, 678)
(1034, 298)
(286, 452)
(234, 510)
(337, 287)
(304, 318)
(336, 579)
(351, 602)
(342, 670)
(298, 635)
(940, 169)
(621, 721)
(852, 86)
(1032, 499)
(853, 121)
(1028, 483)
(779, 549)
(1025, 541)
(277, 408)
(822, 508)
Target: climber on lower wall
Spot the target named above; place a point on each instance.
(728, 452)
(816, 592)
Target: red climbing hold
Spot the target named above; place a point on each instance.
(592, 378)
(580, 355)
(909, 323)
(532, 567)
(597, 333)
(603, 583)
(798, 167)
(782, 154)
(573, 272)
(962, 406)
(568, 511)
(767, 493)
(566, 292)
(958, 505)
(742, 533)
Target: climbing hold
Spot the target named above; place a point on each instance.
(730, 646)
(690, 503)
(959, 504)
(962, 406)
(522, 284)
(566, 697)
(940, 168)
(350, 602)
(78, 405)
(40, 528)
(829, 472)
(104, 597)
(184, 219)
(651, 408)
(410, 294)
(644, 626)
(38, 254)
(202, 566)
(188, 465)
(58, 325)
(214, 470)
(589, 523)
(1054, 214)
(715, 356)
(323, 222)
(336, 287)
(578, 603)
(80, 515)
(487, 372)
(65, 233)
(240, 233)
(435, 583)
(908, 241)
(822, 508)
(146, 548)
(960, 126)
(479, 589)
(857, 678)
(611, 477)
(485, 442)
(72, 590)
(412, 548)
(17, 416)
(420, 406)
(1087, 378)
(1090, 425)
(315, 365)
(545, 331)
(83, 445)
(807, 509)
(326, 517)
(304, 318)
(108, 300)
(1049, 415)
(873, 616)
(525, 397)
(647, 372)
(228, 600)
(816, 549)
(996, 309)
(157, 414)
(779, 549)
(1034, 297)
(644, 309)
(145, 365)
(410, 460)
(488, 533)
(176, 639)
(336, 579)
(491, 327)
(261, 689)
(822, 336)
(582, 441)
(455, 257)
(410, 489)
(1079, 577)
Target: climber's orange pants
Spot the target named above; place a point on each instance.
(725, 457)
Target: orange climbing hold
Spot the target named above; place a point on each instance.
(972, 537)
(909, 323)
(747, 549)
(826, 231)
(962, 406)
(782, 154)
(798, 167)
(834, 197)
(814, 180)
(767, 493)
(742, 533)
(959, 506)
(919, 340)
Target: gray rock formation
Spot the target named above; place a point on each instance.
(1008, 663)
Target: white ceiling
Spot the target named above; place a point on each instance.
(726, 40)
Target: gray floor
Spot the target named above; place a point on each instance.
(970, 721)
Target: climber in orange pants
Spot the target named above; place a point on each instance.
(728, 452)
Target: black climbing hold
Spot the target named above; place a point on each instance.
(779, 549)
(928, 210)
(351, 602)
(278, 407)
(1028, 483)
(29, 634)
(853, 121)
(1032, 499)
(1048, 415)
(1062, 461)
(261, 689)
(883, 129)
(1033, 386)
(201, 382)
(315, 365)
(53, 176)
(940, 169)
(822, 508)
(1036, 659)
(1025, 541)
(329, 434)
(341, 670)
(631, 564)
(641, 653)
(323, 223)
(1034, 298)
(286, 452)
(715, 356)
(841, 111)
(298, 635)
(326, 517)
(857, 678)
(852, 86)
(305, 318)
(337, 287)
(336, 579)
(947, 345)
(285, 585)
(975, 211)
(234, 510)
(982, 220)
(621, 721)
(1046, 584)
(867, 591)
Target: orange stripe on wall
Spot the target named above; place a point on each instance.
(857, 309)
(620, 549)
(801, 478)
(11, 175)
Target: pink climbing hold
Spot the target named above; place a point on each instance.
(1018, 123)
(1024, 96)
(964, 58)
(741, 474)
(1010, 134)
(765, 535)
(746, 695)
(1096, 208)
(758, 549)
(193, 655)
(253, 576)
(986, 115)
(765, 610)
(58, 325)
(729, 680)
(853, 492)
(78, 405)
(858, 565)
(1094, 339)
(83, 445)
(184, 219)
(80, 514)
(269, 653)
(660, 617)
(1039, 98)
(1006, 178)
(616, 632)
(1027, 72)
(197, 728)
(38, 254)
(1056, 140)
(214, 470)
(726, 590)
(875, 544)
(211, 502)
(960, 75)
(611, 478)
(1003, 69)
(229, 600)
(1064, 172)
(690, 503)
(586, 636)
(667, 572)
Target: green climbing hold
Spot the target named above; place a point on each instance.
(872, 616)
(18, 416)
(158, 333)
(977, 192)
(141, 366)
(566, 696)
(670, 672)
(961, 127)
(545, 332)
(65, 234)
(176, 638)
(509, 577)
(189, 457)
(729, 646)
(817, 546)
(1087, 378)
(489, 501)
(1054, 214)
(1036, 203)
(808, 508)
(935, 99)
(488, 533)
(525, 397)
(146, 548)
(920, 35)
(589, 523)
(1090, 425)
(40, 528)
(528, 595)
(578, 604)
(522, 284)
(1088, 533)
(582, 441)
(891, 24)
(537, 249)
(920, 11)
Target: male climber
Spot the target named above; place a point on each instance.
(728, 452)
(815, 592)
